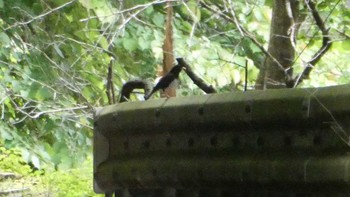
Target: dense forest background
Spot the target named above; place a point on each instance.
(55, 54)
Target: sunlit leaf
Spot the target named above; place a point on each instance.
(35, 160)
(269, 3)
(12, 58)
(5, 134)
(58, 50)
(38, 92)
(4, 39)
(130, 44)
(158, 19)
(346, 44)
(143, 43)
(103, 42)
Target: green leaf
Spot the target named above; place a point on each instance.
(158, 20)
(254, 48)
(240, 60)
(5, 134)
(58, 50)
(149, 10)
(87, 92)
(69, 17)
(144, 44)
(37, 92)
(193, 6)
(130, 44)
(35, 160)
(269, 3)
(43, 93)
(4, 39)
(12, 58)
(103, 42)
(25, 155)
(346, 44)
(66, 162)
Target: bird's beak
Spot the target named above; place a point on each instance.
(183, 68)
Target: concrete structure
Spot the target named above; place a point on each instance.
(257, 143)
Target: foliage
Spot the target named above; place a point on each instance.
(11, 161)
(46, 103)
(71, 182)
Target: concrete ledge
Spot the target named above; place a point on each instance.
(284, 137)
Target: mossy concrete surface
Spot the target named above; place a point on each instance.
(285, 138)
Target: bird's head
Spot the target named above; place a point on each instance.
(177, 69)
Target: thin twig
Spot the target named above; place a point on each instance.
(235, 21)
(195, 19)
(88, 45)
(38, 114)
(293, 28)
(139, 9)
(335, 125)
(326, 44)
(13, 191)
(41, 15)
(110, 86)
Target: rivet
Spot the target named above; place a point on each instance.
(190, 142)
(168, 142)
(115, 117)
(157, 113)
(201, 111)
(248, 109)
(214, 141)
(287, 141)
(126, 145)
(260, 141)
(236, 141)
(317, 140)
(146, 144)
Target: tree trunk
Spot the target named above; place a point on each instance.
(284, 26)
(168, 48)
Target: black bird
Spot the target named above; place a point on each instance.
(166, 80)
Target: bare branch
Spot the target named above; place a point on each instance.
(88, 45)
(38, 114)
(139, 9)
(41, 15)
(194, 17)
(13, 191)
(293, 27)
(245, 33)
(326, 44)
(110, 86)
(196, 80)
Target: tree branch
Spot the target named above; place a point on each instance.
(137, 10)
(326, 44)
(244, 32)
(110, 86)
(196, 80)
(41, 15)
